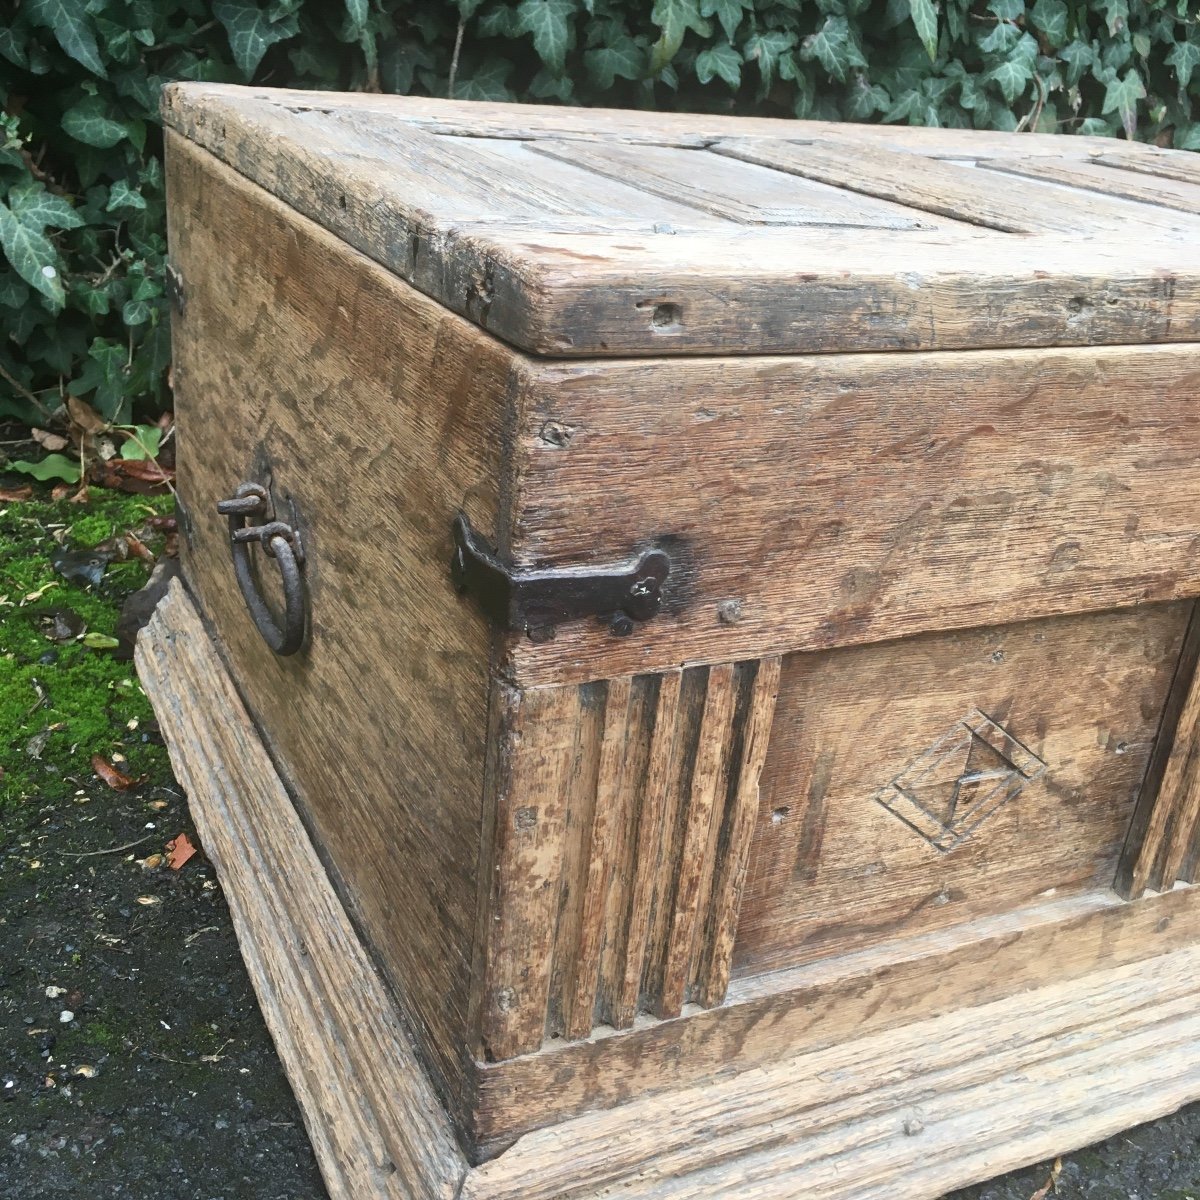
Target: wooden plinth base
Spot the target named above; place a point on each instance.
(911, 1112)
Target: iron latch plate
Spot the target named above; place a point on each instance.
(537, 600)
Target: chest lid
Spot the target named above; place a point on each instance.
(573, 232)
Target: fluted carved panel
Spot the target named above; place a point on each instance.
(623, 822)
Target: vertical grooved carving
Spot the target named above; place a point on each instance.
(1163, 846)
(623, 822)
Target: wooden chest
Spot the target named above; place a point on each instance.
(739, 669)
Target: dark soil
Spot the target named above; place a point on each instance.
(152, 1074)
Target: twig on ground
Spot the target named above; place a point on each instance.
(109, 850)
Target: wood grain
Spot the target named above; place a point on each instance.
(961, 191)
(906, 1115)
(769, 1018)
(809, 503)
(1159, 192)
(612, 266)
(884, 814)
(374, 414)
(1164, 835)
(376, 1123)
(617, 799)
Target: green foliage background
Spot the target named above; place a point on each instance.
(81, 182)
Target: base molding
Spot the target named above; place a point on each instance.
(907, 1112)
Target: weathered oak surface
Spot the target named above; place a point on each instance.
(937, 779)
(376, 1123)
(812, 502)
(622, 830)
(769, 1018)
(376, 414)
(588, 233)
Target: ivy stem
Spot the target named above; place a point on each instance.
(23, 391)
(458, 38)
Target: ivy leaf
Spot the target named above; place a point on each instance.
(1097, 127)
(136, 312)
(1078, 56)
(834, 47)
(1122, 96)
(88, 121)
(142, 443)
(924, 19)
(728, 14)
(35, 206)
(865, 99)
(1188, 137)
(251, 31)
(32, 255)
(1050, 19)
(12, 47)
(53, 466)
(623, 59)
(1013, 76)
(69, 22)
(1184, 57)
(904, 106)
(103, 374)
(121, 195)
(549, 23)
(488, 82)
(357, 12)
(1007, 10)
(768, 49)
(1116, 15)
(1001, 39)
(721, 61)
(673, 18)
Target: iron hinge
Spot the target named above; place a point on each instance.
(536, 600)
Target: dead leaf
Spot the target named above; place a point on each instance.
(37, 744)
(60, 491)
(179, 850)
(1050, 1183)
(147, 901)
(151, 863)
(84, 416)
(138, 548)
(62, 625)
(136, 475)
(13, 494)
(50, 441)
(110, 775)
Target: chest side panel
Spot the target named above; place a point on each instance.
(371, 415)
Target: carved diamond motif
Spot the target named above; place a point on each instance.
(964, 777)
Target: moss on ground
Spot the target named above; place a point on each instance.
(62, 702)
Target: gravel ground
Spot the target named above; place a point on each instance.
(134, 1062)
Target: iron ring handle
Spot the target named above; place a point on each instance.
(280, 542)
